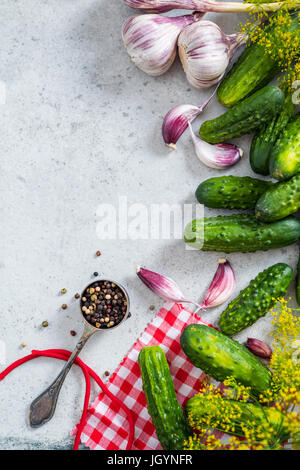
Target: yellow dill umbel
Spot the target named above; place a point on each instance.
(276, 36)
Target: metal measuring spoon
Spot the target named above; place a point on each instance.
(43, 407)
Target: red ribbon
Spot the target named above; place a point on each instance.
(87, 372)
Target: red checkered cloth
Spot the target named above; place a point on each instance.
(106, 427)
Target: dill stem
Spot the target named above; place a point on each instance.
(230, 7)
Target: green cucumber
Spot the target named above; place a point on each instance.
(201, 409)
(279, 201)
(256, 299)
(166, 412)
(244, 117)
(253, 70)
(264, 140)
(222, 357)
(298, 282)
(231, 192)
(285, 156)
(240, 233)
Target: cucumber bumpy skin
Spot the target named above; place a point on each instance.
(240, 233)
(279, 201)
(264, 140)
(222, 357)
(199, 408)
(253, 69)
(231, 192)
(256, 299)
(244, 117)
(285, 157)
(166, 412)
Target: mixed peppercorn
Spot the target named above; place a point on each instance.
(103, 304)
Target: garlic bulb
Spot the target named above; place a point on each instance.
(151, 40)
(177, 120)
(205, 52)
(217, 156)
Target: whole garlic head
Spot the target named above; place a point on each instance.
(151, 40)
(205, 52)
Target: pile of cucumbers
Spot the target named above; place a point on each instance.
(265, 109)
(254, 106)
(272, 225)
(220, 357)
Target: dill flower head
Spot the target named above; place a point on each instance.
(279, 36)
(257, 423)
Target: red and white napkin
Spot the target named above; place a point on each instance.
(106, 427)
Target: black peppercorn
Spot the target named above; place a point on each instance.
(104, 303)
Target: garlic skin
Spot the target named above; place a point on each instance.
(218, 156)
(221, 287)
(259, 348)
(177, 120)
(205, 52)
(161, 6)
(162, 286)
(151, 40)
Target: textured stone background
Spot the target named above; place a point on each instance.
(80, 127)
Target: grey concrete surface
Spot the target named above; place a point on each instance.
(81, 126)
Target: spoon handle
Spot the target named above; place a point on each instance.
(43, 407)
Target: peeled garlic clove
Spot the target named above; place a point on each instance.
(259, 348)
(205, 52)
(151, 40)
(217, 156)
(177, 120)
(162, 286)
(221, 287)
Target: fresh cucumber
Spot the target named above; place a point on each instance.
(253, 69)
(220, 357)
(244, 117)
(279, 201)
(240, 233)
(285, 156)
(264, 140)
(256, 299)
(201, 409)
(231, 192)
(166, 412)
